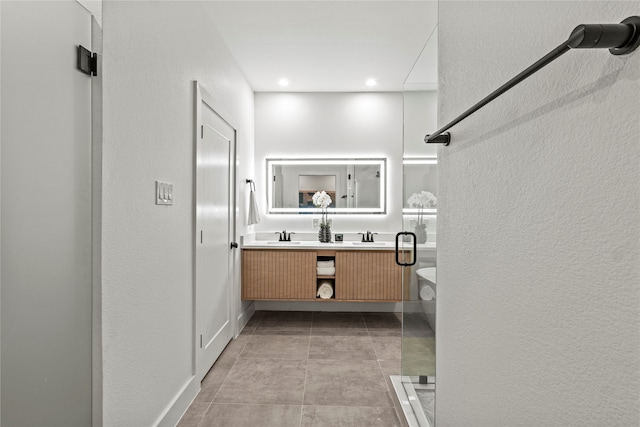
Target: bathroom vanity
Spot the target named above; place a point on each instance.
(287, 271)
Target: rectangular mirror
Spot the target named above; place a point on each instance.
(354, 185)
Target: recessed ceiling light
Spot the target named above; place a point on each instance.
(371, 82)
(283, 82)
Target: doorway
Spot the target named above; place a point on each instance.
(214, 232)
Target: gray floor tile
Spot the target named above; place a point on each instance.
(261, 378)
(255, 319)
(233, 350)
(352, 416)
(263, 381)
(339, 332)
(382, 320)
(252, 323)
(387, 347)
(334, 320)
(212, 381)
(194, 414)
(385, 332)
(287, 320)
(390, 367)
(277, 347)
(345, 382)
(278, 331)
(247, 415)
(341, 347)
(398, 407)
(218, 372)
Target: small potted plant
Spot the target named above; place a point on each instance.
(322, 200)
(422, 200)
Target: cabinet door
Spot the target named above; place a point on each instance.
(278, 275)
(368, 276)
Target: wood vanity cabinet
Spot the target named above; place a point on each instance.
(361, 275)
(368, 276)
(278, 274)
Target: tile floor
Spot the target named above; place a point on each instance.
(304, 369)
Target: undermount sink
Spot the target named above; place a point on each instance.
(283, 243)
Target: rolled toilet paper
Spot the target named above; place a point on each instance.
(427, 294)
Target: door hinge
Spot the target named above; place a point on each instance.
(200, 340)
(200, 236)
(87, 61)
(201, 132)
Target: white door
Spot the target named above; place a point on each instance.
(214, 234)
(46, 215)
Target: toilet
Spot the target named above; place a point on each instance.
(427, 293)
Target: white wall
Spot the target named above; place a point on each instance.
(539, 231)
(330, 125)
(153, 51)
(420, 118)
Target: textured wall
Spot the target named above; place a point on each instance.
(539, 225)
(152, 53)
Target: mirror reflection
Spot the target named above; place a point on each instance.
(420, 185)
(354, 185)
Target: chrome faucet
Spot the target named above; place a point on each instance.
(284, 236)
(367, 237)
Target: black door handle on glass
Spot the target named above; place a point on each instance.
(415, 247)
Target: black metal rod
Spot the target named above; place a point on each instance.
(615, 36)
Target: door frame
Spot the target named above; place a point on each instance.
(203, 96)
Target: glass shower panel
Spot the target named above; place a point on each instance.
(416, 387)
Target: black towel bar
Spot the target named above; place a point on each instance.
(620, 39)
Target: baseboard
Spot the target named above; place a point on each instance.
(179, 405)
(245, 316)
(376, 307)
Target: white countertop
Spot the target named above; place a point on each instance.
(315, 245)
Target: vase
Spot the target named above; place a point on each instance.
(421, 233)
(324, 235)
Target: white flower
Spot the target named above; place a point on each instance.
(321, 199)
(424, 199)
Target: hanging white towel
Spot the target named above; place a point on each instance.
(254, 214)
(325, 291)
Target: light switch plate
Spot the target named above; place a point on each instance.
(316, 222)
(164, 193)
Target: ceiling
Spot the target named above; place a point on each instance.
(330, 46)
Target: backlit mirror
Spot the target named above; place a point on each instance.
(354, 185)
